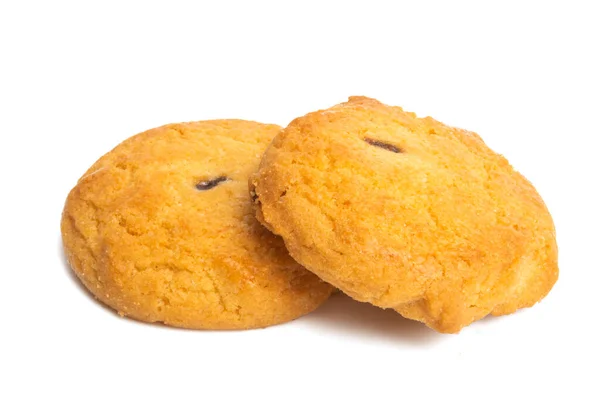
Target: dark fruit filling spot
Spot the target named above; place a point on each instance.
(254, 196)
(207, 185)
(383, 145)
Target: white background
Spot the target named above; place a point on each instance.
(76, 78)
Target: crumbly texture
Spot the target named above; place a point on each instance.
(162, 229)
(407, 213)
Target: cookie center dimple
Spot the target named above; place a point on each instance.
(209, 184)
(383, 145)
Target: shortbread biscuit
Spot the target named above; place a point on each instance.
(407, 213)
(161, 229)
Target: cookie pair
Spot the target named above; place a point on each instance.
(401, 212)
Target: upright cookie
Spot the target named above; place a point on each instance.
(161, 229)
(407, 213)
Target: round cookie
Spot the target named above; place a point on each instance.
(407, 213)
(161, 229)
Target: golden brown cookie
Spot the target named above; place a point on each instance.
(407, 213)
(162, 230)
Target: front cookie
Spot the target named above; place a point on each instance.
(407, 213)
(162, 230)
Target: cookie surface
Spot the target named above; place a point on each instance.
(407, 213)
(162, 229)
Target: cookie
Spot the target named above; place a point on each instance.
(407, 213)
(162, 230)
